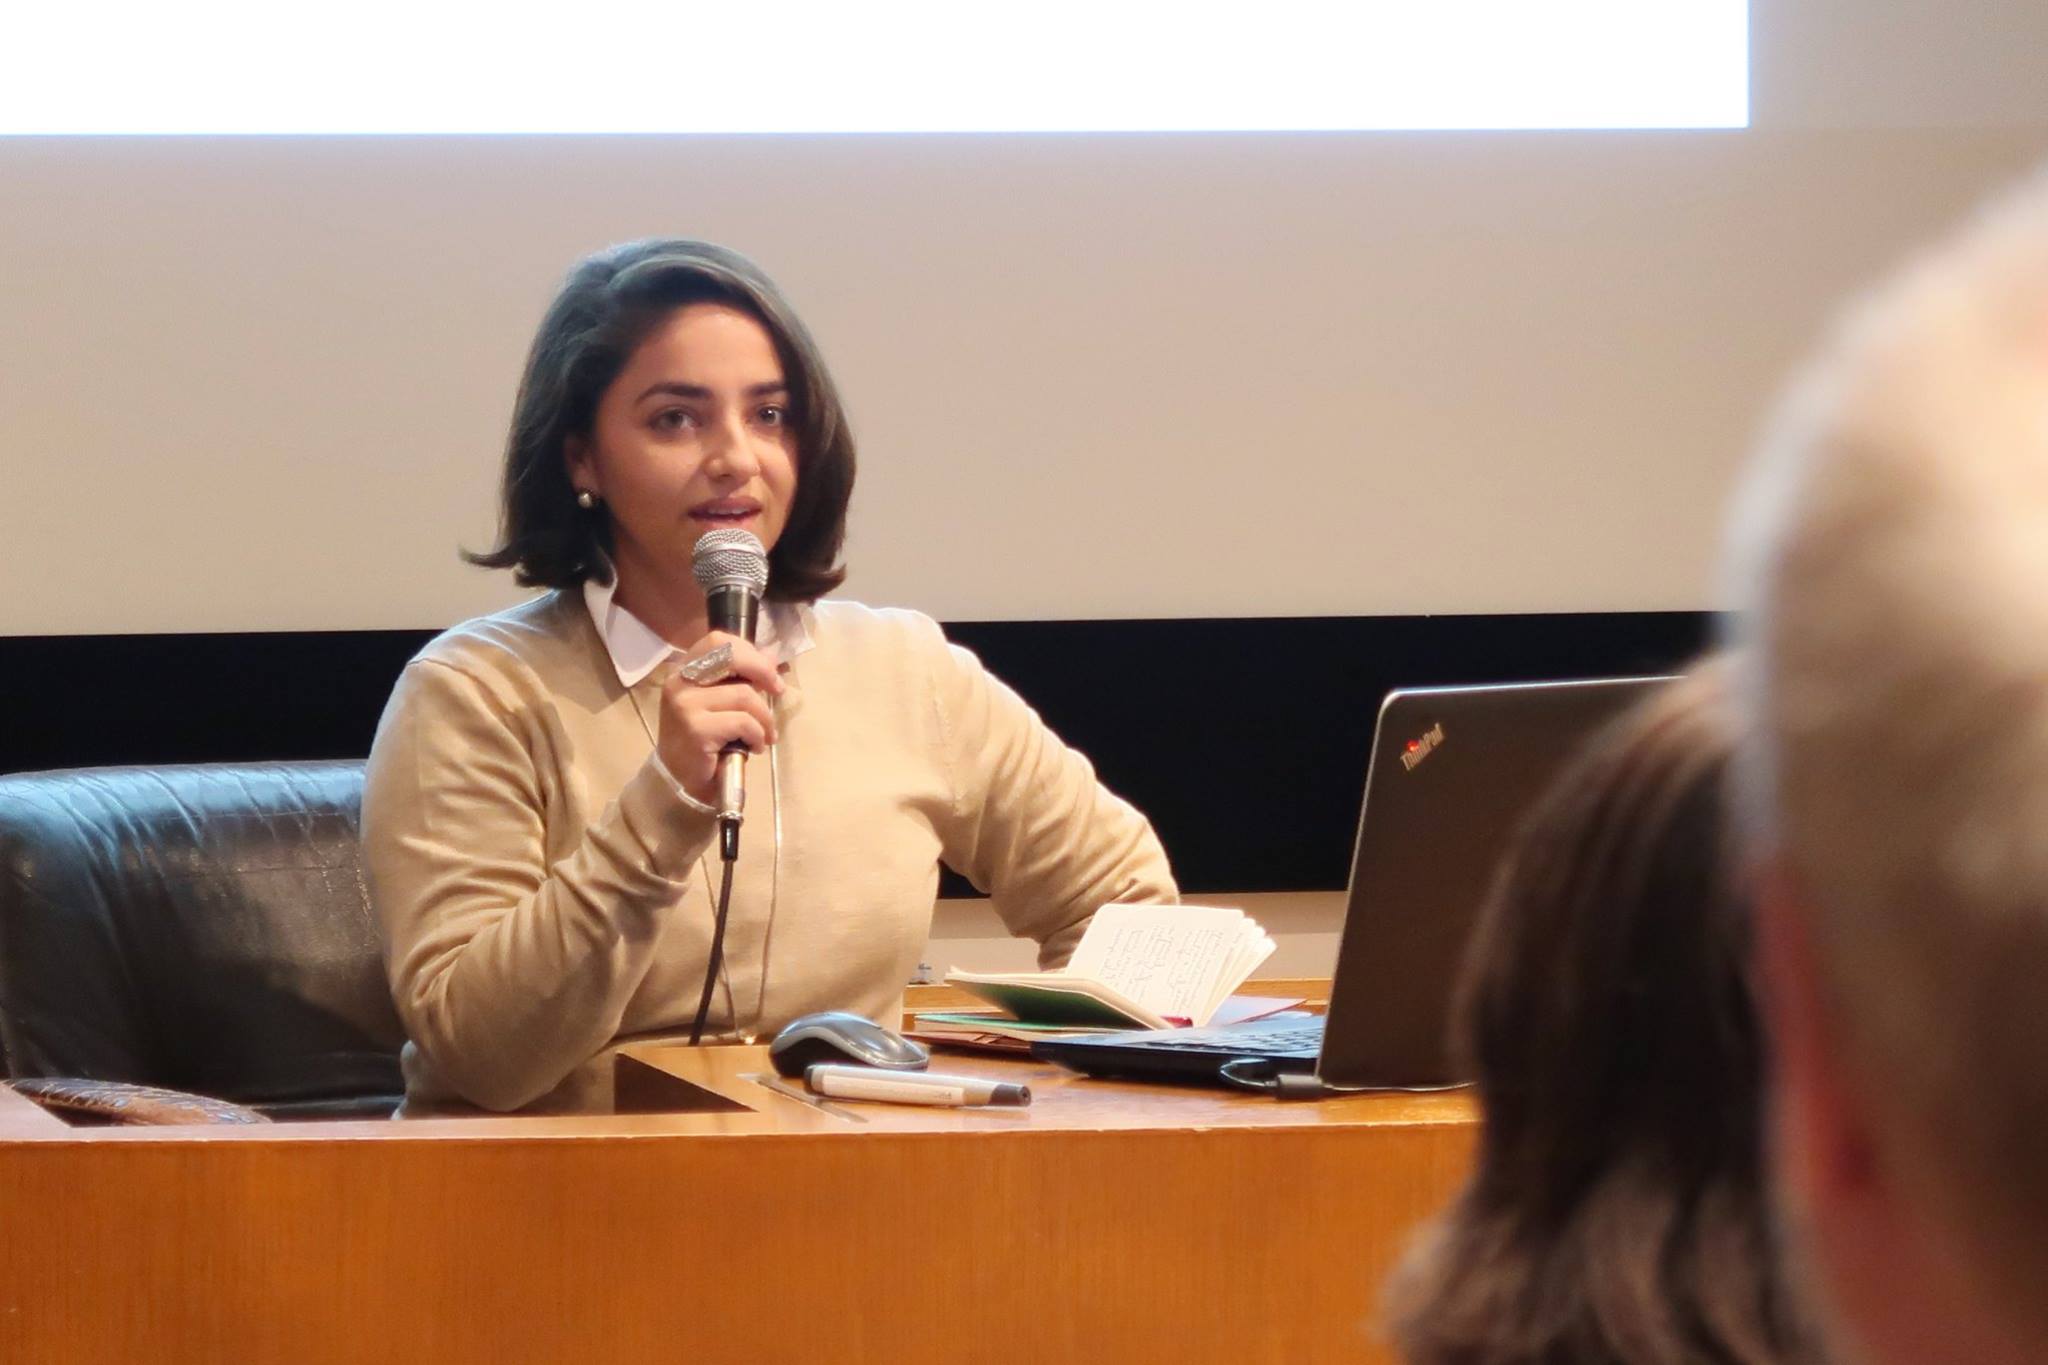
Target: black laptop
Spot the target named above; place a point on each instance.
(1453, 771)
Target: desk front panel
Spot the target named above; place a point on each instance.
(1110, 1222)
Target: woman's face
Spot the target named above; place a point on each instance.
(694, 434)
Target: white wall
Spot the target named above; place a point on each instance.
(262, 383)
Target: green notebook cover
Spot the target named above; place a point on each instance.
(1051, 1005)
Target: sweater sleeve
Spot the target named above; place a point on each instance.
(1029, 823)
(508, 973)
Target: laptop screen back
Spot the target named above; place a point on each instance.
(1453, 771)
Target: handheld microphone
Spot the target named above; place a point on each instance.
(732, 568)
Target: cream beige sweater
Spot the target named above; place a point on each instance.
(546, 893)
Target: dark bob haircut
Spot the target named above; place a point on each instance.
(1617, 1213)
(606, 308)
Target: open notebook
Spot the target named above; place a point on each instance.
(1145, 966)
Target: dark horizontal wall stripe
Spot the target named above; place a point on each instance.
(1245, 740)
(85, 700)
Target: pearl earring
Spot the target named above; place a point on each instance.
(586, 499)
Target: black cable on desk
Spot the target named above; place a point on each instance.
(1281, 1085)
(1260, 1074)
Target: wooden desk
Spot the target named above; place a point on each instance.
(1107, 1222)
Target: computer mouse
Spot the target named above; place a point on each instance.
(837, 1036)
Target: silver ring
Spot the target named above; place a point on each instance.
(709, 669)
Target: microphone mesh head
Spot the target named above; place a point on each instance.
(730, 558)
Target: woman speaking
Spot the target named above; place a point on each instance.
(539, 818)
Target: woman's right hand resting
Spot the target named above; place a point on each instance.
(697, 720)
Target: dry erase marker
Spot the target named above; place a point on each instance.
(910, 1087)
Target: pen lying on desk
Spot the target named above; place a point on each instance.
(911, 1087)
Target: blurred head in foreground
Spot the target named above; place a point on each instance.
(1890, 560)
(1616, 1212)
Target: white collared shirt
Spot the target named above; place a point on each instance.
(637, 651)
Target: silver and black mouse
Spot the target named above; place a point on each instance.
(837, 1036)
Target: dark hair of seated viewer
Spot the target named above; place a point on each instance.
(1617, 1210)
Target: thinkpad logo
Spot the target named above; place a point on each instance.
(1422, 746)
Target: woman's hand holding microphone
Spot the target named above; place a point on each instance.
(700, 716)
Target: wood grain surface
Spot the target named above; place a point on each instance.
(1107, 1222)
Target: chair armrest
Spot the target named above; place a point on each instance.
(120, 1103)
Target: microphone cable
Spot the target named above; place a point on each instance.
(717, 942)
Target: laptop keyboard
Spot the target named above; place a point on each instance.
(1305, 1037)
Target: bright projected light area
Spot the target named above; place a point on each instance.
(631, 66)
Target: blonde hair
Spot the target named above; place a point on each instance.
(1891, 555)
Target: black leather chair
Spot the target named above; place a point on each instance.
(202, 928)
